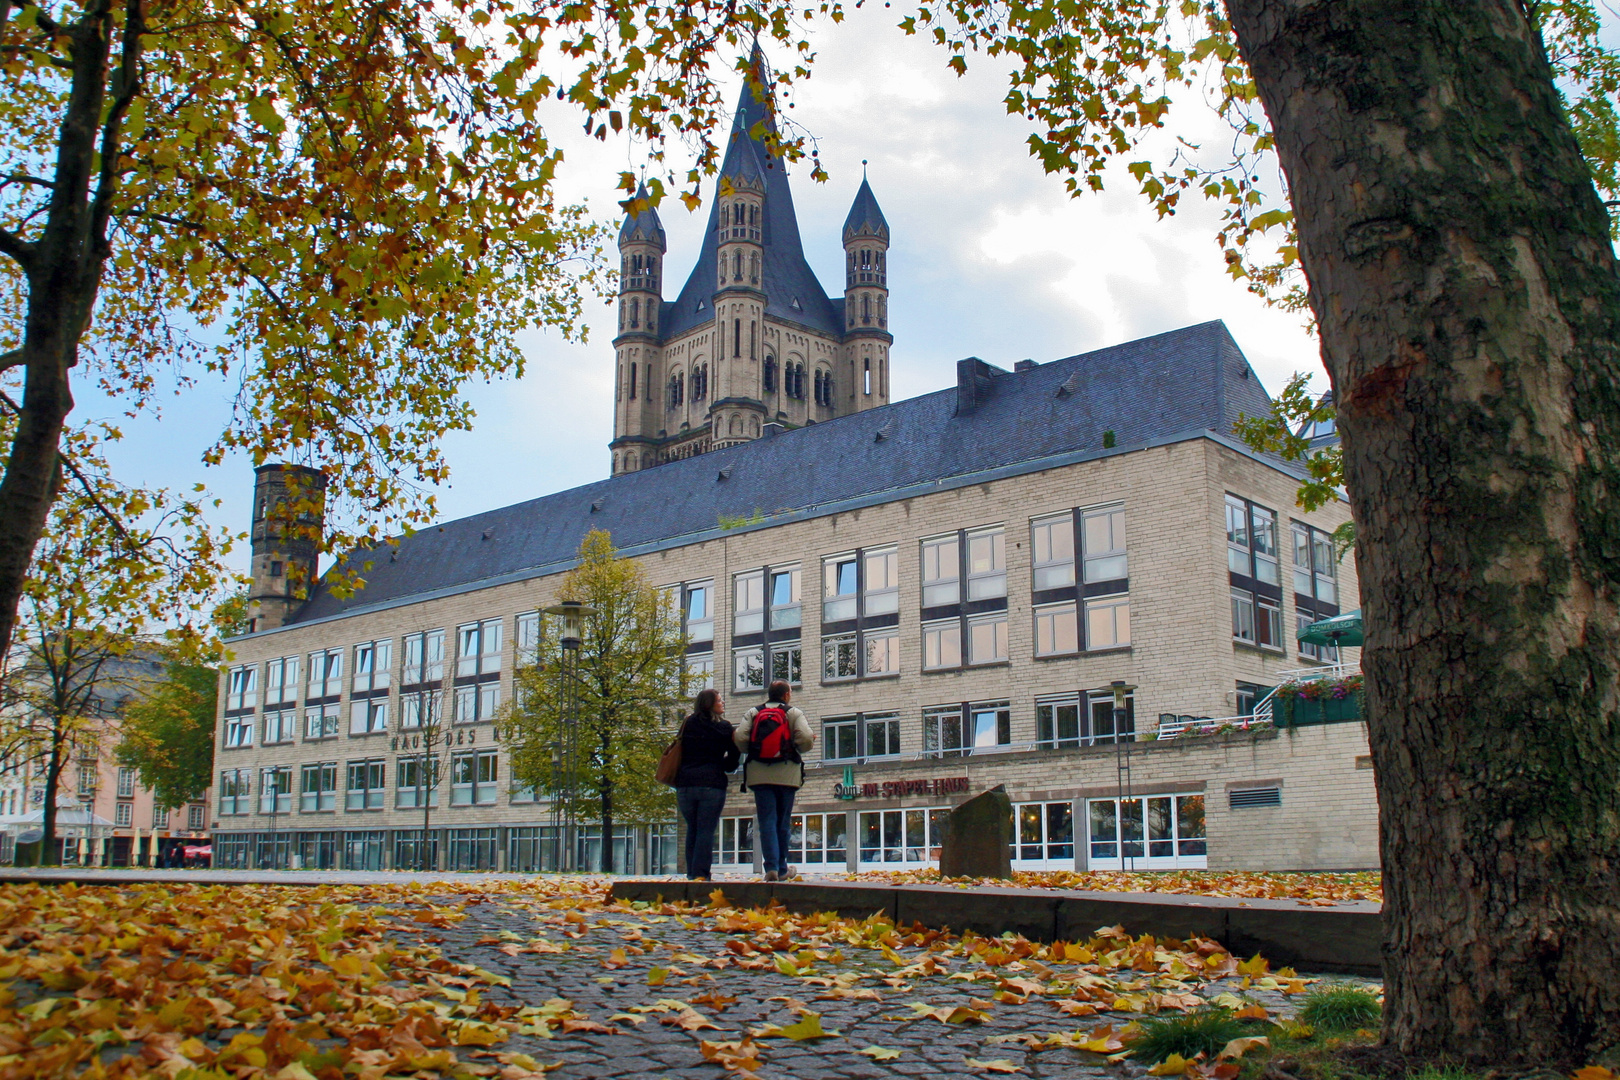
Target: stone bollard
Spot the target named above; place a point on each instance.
(978, 837)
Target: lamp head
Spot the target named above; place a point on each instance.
(1120, 688)
(572, 613)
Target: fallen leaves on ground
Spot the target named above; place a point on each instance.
(349, 981)
(1315, 890)
(163, 978)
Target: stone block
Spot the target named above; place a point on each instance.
(990, 912)
(850, 900)
(978, 837)
(1078, 918)
(1315, 939)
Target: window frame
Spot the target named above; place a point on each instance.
(1052, 527)
(322, 798)
(1049, 641)
(427, 668)
(1117, 603)
(373, 795)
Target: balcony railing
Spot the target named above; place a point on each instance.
(1264, 709)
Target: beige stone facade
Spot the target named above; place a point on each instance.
(1300, 798)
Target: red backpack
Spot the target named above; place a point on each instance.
(770, 739)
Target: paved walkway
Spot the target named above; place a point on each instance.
(653, 1048)
(604, 964)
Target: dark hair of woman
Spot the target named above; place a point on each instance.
(704, 705)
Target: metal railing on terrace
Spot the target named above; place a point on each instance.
(1264, 714)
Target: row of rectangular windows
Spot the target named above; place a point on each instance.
(1062, 721)
(1151, 827)
(969, 563)
(866, 581)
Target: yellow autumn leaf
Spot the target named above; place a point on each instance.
(880, 1053)
(656, 976)
(1256, 965)
(1174, 1065)
(1000, 1065)
(1240, 1046)
(808, 1026)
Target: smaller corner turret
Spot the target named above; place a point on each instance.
(289, 519)
(641, 256)
(866, 302)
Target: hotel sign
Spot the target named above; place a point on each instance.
(894, 789)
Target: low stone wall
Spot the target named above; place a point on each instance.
(1343, 938)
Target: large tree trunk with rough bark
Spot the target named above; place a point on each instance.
(1469, 307)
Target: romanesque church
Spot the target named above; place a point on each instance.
(752, 339)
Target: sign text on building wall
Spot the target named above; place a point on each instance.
(894, 789)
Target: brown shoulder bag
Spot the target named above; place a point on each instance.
(669, 763)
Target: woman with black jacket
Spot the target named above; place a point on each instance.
(708, 753)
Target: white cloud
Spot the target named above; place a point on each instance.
(989, 257)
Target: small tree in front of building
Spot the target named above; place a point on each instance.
(627, 681)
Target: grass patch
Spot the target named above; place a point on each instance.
(1205, 1031)
(1338, 1007)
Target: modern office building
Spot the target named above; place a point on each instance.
(952, 582)
(960, 586)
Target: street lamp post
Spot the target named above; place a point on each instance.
(427, 774)
(1122, 765)
(565, 754)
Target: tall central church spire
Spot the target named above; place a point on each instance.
(752, 338)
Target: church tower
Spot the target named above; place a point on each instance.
(866, 304)
(736, 410)
(753, 338)
(636, 397)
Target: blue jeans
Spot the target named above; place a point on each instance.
(700, 807)
(773, 805)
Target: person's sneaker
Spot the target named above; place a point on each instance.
(770, 875)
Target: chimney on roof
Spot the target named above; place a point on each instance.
(1025, 365)
(973, 383)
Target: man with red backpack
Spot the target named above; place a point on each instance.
(774, 737)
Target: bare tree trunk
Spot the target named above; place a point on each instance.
(63, 269)
(54, 764)
(1462, 276)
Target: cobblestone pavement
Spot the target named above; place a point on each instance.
(577, 961)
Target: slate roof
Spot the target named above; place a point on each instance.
(645, 225)
(865, 216)
(1176, 384)
(792, 292)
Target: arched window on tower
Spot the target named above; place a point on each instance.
(736, 266)
(736, 337)
(632, 382)
(866, 308)
(635, 314)
(753, 217)
(753, 267)
(868, 378)
(770, 374)
(818, 386)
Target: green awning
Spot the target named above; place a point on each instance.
(1340, 630)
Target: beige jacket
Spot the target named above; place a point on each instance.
(785, 773)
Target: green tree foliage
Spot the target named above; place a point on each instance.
(630, 680)
(122, 574)
(168, 734)
(353, 199)
(1284, 431)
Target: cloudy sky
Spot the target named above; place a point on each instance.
(988, 258)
